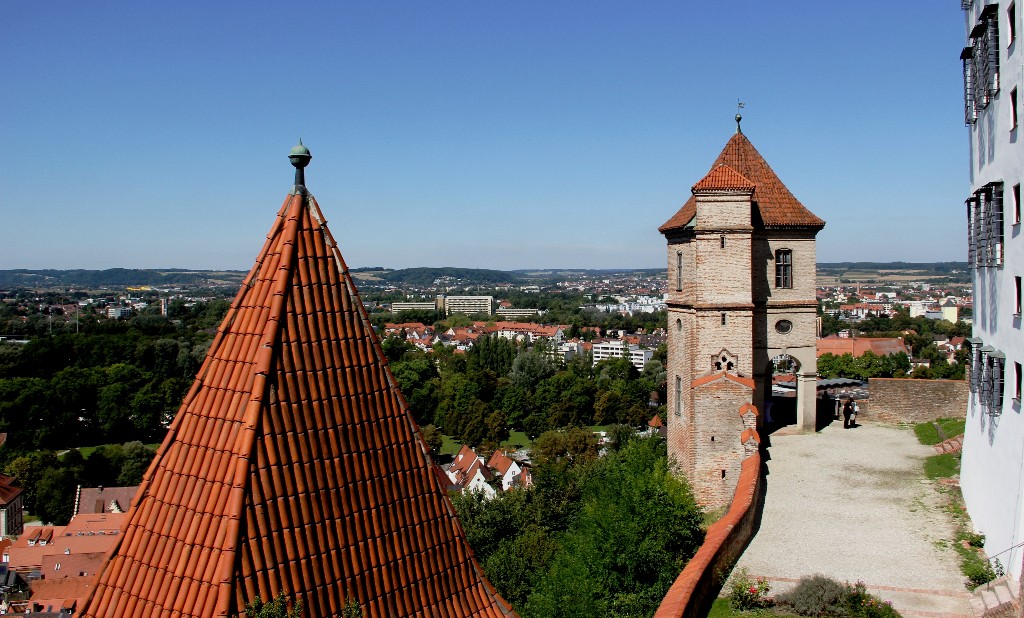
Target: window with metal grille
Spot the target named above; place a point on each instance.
(970, 112)
(985, 57)
(972, 237)
(784, 268)
(985, 381)
(975, 368)
(985, 227)
(981, 208)
(995, 370)
(995, 227)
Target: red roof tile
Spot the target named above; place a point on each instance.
(723, 178)
(293, 465)
(775, 204)
(500, 462)
(857, 346)
(8, 489)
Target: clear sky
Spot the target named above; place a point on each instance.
(476, 133)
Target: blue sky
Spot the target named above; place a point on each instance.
(528, 134)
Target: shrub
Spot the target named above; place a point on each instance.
(977, 570)
(747, 593)
(817, 595)
(860, 603)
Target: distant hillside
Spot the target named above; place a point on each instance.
(427, 276)
(925, 267)
(116, 277)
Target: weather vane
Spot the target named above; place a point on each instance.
(739, 105)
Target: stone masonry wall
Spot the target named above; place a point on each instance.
(914, 401)
(718, 452)
(691, 595)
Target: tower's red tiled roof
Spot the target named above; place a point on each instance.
(293, 465)
(775, 204)
(723, 178)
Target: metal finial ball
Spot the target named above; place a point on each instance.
(738, 118)
(299, 155)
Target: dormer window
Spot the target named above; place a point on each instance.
(784, 268)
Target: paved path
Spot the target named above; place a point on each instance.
(855, 505)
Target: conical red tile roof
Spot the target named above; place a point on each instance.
(293, 465)
(775, 205)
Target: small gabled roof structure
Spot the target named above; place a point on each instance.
(294, 465)
(737, 167)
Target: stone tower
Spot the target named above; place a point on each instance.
(741, 269)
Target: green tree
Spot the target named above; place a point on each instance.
(134, 464)
(432, 436)
(529, 368)
(55, 495)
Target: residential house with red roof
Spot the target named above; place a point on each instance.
(469, 473)
(11, 507)
(506, 469)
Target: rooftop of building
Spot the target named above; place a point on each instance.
(294, 465)
(737, 167)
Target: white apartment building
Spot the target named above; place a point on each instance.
(991, 470)
(512, 312)
(617, 348)
(398, 307)
(469, 305)
(116, 313)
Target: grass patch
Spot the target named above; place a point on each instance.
(721, 609)
(933, 432)
(942, 466)
(968, 544)
(449, 445)
(517, 440)
(89, 450)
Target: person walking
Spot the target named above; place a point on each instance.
(847, 413)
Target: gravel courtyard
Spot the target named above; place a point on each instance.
(855, 505)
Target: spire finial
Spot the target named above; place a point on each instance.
(299, 156)
(739, 105)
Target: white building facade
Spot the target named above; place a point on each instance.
(617, 348)
(991, 468)
(469, 305)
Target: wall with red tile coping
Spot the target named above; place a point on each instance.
(697, 586)
(895, 400)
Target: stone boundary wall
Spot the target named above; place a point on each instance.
(696, 588)
(902, 400)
